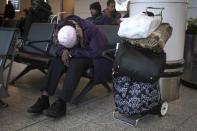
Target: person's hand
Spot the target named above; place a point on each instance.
(65, 57)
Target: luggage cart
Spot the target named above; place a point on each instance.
(162, 107)
(160, 110)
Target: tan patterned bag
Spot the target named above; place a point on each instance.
(157, 40)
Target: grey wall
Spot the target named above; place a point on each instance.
(81, 7)
(192, 8)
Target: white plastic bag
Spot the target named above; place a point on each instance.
(138, 26)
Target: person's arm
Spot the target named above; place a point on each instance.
(104, 20)
(5, 12)
(117, 17)
(60, 50)
(94, 50)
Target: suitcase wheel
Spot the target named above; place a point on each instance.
(164, 108)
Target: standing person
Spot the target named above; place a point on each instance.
(96, 15)
(83, 46)
(128, 10)
(39, 12)
(111, 12)
(9, 12)
(21, 23)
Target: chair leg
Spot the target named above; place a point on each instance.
(3, 104)
(26, 70)
(107, 87)
(3, 89)
(85, 90)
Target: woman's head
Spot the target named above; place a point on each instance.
(95, 8)
(67, 36)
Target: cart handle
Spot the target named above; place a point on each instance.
(157, 8)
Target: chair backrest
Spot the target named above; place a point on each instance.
(9, 23)
(39, 38)
(6, 40)
(111, 32)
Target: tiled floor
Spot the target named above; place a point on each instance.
(93, 114)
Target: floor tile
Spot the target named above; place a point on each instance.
(90, 127)
(63, 124)
(190, 124)
(109, 122)
(11, 121)
(37, 127)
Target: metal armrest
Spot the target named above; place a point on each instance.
(38, 41)
(109, 54)
(32, 57)
(31, 44)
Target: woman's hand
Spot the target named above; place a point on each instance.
(66, 57)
